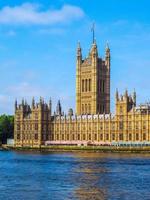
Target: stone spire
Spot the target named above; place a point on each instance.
(79, 51)
(50, 106)
(134, 97)
(22, 101)
(58, 108)
(16, 104)
(107, 55)
(117, 95)
(33, 102)
(94, 50)
(126, 93)
(41, 101)
(93, 33)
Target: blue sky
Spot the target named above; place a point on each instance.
(38, 41)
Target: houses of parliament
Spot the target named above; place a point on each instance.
(92, 123)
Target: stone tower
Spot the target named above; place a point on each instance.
(93, 82)
(124, 103)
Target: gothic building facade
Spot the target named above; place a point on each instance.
(92, 123)
(93, 82)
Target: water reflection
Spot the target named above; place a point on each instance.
(74, 176)
(90, 175)
(108, 176)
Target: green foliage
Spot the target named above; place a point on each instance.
(6, 127)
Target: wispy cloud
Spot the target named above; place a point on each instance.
(31, 14)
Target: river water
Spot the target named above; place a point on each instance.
(71, 176)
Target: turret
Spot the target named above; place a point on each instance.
(79, 54)
(23, 102)
(134, 98)
(59, 109)
(125, 103)
(70, 112)
(107, 56)
(94, 51)
(16, 104)
(117, 95)
(33, 103)
(41, 101)
(126, 94)
(50, 106)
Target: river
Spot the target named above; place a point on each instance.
(71, 176)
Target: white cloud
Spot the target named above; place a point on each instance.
(31, 14)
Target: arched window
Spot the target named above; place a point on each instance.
(89, 85)
(78, 136)
(130, 136)
(82, 85)
(100, 86)
(95, 138)
(86, 85)
(103, 86)
(85, 108)
(89, 136)
(84, 138)
(137, 136)
(120, 136)
(82, 108)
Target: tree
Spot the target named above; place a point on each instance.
(6, 127)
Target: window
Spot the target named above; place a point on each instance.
(95, 137)
(107, 136)
(18, 136)
(137, 136)
(144, 136)
(113, 136)
(100, 85)
(120, 125)
(57, 138)
(130, 136)
(36, 115)
(103, 86)
(84, 138)
(89, 84)
(85, 108)
(73, 137)
(103, 108)
(82, 85)
(36, 136)
(18, 127)
(121, 110)
(82, 108)
(89, 136)
(62, 136)
(36, 127)
(101, 136)
(120, 136)
(86, 85)
(78, 136)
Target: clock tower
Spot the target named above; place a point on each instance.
(92, 82)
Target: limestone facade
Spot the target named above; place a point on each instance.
(92, 123)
